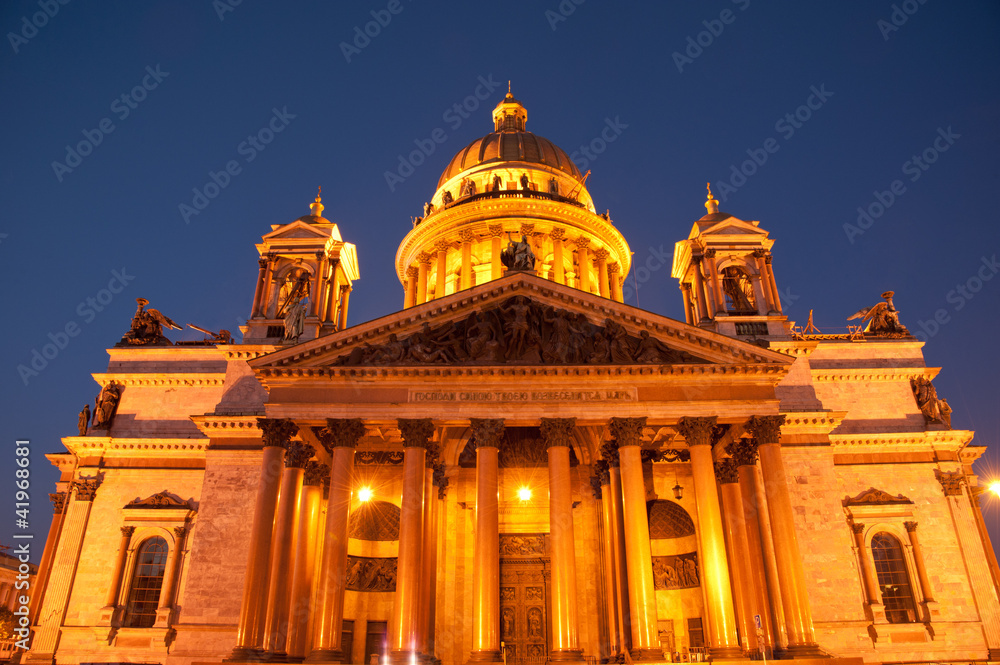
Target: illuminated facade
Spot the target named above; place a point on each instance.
(516, 465)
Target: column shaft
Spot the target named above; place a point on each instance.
(610, 586)
(304, 566)
(51, 545)
(641, 592)
(723, 640)
(279, 591)
(403, 633)
(558, 267)
(739, 557)
(486, 576)
(755, 556)
(111, 600)
(442, 273)
(250, 631)
(171, 571)
(333, 567)
(422, 268)
(428, 574)
(699, 285)
(794, 596)
(868, 574)
(467, 264)
(583, 271)
(564, 639)
(496, 269)
(719, 302)
(918, 560)
(620, 558)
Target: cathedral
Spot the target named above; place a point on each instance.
(516, 466)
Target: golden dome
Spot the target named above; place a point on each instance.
(509, 147)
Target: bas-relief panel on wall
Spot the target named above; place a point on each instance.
(679, 571)
(371, 573)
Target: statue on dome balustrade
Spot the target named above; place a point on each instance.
(447, 198)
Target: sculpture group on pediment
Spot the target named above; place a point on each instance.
(675, 572)
(935, 410)
(520, 331)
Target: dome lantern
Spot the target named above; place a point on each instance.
(510, 114)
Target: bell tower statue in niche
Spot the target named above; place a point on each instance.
(304, 283)
(724, 269)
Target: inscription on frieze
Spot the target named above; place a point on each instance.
(521, 396)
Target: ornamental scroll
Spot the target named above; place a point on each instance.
(371, 574)
(676, 572)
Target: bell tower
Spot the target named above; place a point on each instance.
(306, 273)
(726, 278)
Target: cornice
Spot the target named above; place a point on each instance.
(140, 379)
(870, 374)
(83, 446)
(938, 439)
(793, 348)
(811, 422)
(247, 351)
(219, 426)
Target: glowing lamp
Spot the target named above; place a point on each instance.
(365, 494)
(524, 494)
(995, 487)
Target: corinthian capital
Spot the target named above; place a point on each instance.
(766, 429)
(277, 432)
(298, 454)
(417, 432)
(341, 433)
(697, 431)
(558, 431)
(744, 451)
(487, 432)
(627, 431)
(726, 472)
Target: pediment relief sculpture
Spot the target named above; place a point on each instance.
(872, 496)
(520, 331)
(159, 500)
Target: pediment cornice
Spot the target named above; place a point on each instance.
(685, 347)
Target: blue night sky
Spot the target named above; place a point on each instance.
(162, 94)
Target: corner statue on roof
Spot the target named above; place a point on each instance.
(882, 319)
(147, 327)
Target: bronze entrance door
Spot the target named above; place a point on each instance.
(523, 593)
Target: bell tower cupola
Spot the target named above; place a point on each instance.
(304, 281)
(726, 278)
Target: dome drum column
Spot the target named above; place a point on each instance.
(410, 298)
(583, 262)
(602, 272)
(496, 231)
(558, 269)
(713, 269)
(614, 274)
(466, 271)
(442, 269)
(423, 267)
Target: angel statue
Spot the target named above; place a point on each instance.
(882, 319)
(147, 326)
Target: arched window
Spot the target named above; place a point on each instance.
(893, 581)
(144, 593)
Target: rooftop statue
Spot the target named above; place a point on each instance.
(882, 319)
(147, 326)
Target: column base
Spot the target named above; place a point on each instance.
(324, 656)
(485, 657)
(726, 653)
(404, 657)
(797, 651)
(647, 655)
(566, 656)
(246, 655)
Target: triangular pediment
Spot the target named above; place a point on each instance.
(520, 319)
(297, 229)
(732, 226)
